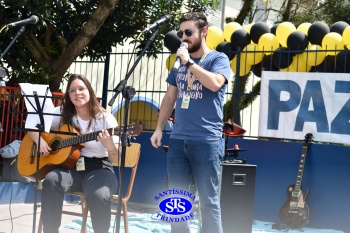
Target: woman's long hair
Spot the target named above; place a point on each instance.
(68, 109)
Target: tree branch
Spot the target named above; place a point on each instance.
(36, 49)
(87, 33)
(246, 8)
(60, 39)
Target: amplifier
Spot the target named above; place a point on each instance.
(237, 197)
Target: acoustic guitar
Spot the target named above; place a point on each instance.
(65, 149)
(295, 213)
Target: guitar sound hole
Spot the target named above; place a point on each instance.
(55, 145)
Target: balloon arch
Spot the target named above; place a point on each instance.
(311, 47)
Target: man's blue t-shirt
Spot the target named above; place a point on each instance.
(203, 118)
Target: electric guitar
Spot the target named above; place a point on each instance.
(295, 213)
(65, 149)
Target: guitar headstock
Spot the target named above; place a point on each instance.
(308, 139)
(133, 129)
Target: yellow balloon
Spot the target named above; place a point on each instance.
(214, 37)
(304, 27)
(169, 63)
(248, 27)
(346, 37)
(314, 55)
(283, 31)
(285, 69)
(244, 67)
(268, 43)
(253, 55)
(229, 29)
(332, 42)
(299, 64)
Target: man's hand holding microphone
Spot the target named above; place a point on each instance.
(182, 55)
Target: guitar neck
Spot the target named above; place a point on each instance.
(297, 187)
(300, 169)
(85, 137)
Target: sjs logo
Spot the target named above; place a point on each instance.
(175, 206)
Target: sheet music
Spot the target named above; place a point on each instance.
(33, 119)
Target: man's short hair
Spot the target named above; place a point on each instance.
(198, 17)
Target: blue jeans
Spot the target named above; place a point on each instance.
(200, 159)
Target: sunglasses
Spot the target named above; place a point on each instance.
(188, 32)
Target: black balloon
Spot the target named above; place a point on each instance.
(267, 63)
(343, 61)
(274, 28)
(227, 49)
(240, 38)
(338, 27)
(297, 40)
(257, 30)
(282, 58)
(328, 65)
(317, 31)
(172, 41)
(313, 69)
(257, 69)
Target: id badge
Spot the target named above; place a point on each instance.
(185, 101)
(80, 164)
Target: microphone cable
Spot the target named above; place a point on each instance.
(3, 28)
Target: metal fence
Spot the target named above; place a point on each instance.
(242, 93)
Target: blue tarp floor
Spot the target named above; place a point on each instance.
(19, 218)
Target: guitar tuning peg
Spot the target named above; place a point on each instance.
(128, 141)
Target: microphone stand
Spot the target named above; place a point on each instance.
(40, 126)
(21, 30)
(128, 93)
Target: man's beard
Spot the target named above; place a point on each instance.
(195, 46)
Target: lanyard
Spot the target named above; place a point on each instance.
(190, 79)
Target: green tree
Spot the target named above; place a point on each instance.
(329, 11)
(238, 100)
(68, 29)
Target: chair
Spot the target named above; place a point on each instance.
(132, 156)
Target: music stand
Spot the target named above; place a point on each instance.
(39, 120)
(38, 110)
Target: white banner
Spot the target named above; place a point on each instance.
(294, 104)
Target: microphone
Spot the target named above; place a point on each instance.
(32, 20)
(164, 20)
(178, 60)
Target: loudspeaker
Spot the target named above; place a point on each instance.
(237, 197)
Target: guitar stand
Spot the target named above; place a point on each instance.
(280, 226)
